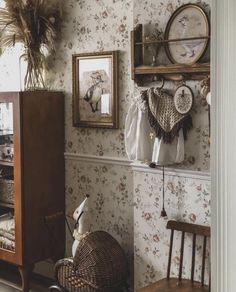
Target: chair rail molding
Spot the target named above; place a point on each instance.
(137, 166)
(223, 146)
(97, 159)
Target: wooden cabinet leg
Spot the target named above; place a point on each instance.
(25, 277)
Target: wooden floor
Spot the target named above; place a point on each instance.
(10, 281)
(35, 287)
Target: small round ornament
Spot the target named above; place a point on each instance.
(183, 99)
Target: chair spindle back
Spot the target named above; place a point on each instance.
(195, 230)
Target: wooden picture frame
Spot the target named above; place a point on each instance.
(95, 90)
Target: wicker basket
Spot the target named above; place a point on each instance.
(100, 265)
(7, 191)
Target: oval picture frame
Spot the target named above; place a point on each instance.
(188, 21)
(183, 99)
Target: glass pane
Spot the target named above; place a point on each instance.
(7, 216)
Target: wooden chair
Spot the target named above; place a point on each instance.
(178, 284)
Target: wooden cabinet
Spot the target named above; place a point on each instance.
(32, 200)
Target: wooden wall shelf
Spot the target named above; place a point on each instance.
(173, 72)
(140, 72)
(173, 69)
(147, 43)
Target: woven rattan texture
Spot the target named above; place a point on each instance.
(100, 265)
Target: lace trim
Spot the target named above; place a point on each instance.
(163, 117)
(141, 101)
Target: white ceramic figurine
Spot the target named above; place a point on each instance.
(83, 225)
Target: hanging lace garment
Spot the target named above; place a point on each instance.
(164, 119)
(137, 131)
(168, 154)
(154, 109)
(170, 127)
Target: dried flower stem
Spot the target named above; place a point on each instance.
(35, 24)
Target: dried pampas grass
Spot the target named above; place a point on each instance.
(35, 24)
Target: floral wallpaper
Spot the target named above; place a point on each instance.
(91, 26)
(110, 202)
(186, 199)
(110, 191)
(123, 202)
(159, 12)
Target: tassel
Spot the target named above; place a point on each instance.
(163, 212)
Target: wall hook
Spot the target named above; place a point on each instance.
(156, 79)
(162, 82)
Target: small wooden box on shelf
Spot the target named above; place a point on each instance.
(197, 71)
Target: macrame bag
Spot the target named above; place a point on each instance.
(164, 119)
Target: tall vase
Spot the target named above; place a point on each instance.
(35, 69)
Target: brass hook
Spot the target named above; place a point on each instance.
(206, 81)
(184, 78)
(155, 79)
(162, 84)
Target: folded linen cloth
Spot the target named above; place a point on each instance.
(7, 232)
(6, 216)
(7, 244)
(7, 225)
(7, 235)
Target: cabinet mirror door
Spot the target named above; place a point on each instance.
(7, 204)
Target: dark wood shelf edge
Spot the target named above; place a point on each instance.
(173, 69)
